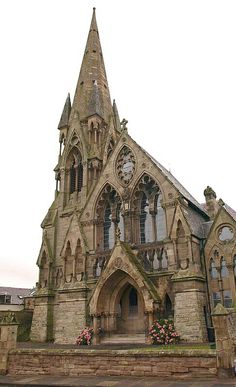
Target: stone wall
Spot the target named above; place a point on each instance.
(189, 306)
(185, 364)
(189, 317)
(69, 316)
(24, 318)
(41, 329)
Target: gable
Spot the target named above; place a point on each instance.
(72, 235)
(223, 222)
(143, 164)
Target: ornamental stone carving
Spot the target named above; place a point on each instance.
(125, 165)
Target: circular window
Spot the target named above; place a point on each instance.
(226, 234)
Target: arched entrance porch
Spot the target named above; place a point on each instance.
(119, 306)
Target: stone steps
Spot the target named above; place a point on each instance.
(122, 338)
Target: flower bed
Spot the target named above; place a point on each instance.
(85, 337)
(163, 332)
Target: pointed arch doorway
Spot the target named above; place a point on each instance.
(130, 310)
(118, 306)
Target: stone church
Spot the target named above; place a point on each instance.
(124, 242)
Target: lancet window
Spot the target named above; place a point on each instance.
(213, 269)
(146, 225)
(75, 171)
(147, 204)
(109, 216)
(68, 263)
(220, 284)
(108, 228)
(224, 272)
(79, 268)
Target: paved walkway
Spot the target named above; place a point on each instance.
(112, 381)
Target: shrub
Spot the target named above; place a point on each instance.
(163, 332)
(85, 337)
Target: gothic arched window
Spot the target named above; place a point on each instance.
(213, 270)
(68, 263)
(78, 259)
(109, 216)
(146, 200)
(75, 167)
(224, 272)
(109, 234)
(160, 218)
(146, 225)
(72, 177)
(120, 221)
(80, 176)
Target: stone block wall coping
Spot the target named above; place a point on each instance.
(187, 353)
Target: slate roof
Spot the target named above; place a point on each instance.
(176, 183)
(196, 222)
(230, 211)
(15, 293)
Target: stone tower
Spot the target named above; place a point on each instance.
(123, 241)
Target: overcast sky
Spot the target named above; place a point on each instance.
(171, 66)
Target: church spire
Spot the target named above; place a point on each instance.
(92, 93)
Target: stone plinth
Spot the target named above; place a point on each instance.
(190, 300)
(8, 338)
(224, 342)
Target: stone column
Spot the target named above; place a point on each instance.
(224, 342)
(148, 318)
(96, 326)
(8, 339)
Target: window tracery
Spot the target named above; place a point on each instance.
(224, 272)
(220, 284)
(146, 202)
(75, 169)
(125, 165)
(109, 216)
(213, 269)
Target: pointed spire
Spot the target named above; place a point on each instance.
(65, 113)
(92, 93)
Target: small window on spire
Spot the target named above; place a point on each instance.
(72, 178)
